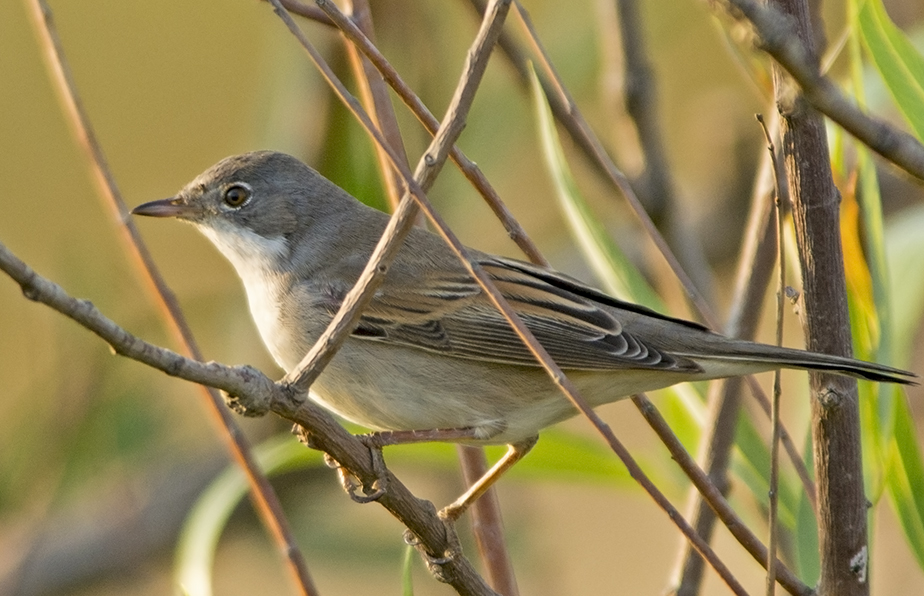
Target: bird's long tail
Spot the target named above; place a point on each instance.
(776, 357)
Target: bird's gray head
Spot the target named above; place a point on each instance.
(253, 206)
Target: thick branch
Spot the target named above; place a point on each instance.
(835, 410)
(259, 394)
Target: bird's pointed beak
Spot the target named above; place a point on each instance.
(172, 207)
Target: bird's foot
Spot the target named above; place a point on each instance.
(350, 483)
(434, 562)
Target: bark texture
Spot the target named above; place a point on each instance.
(842, 531)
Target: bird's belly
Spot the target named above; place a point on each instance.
(387, 387)
(397, 388)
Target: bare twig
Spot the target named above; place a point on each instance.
(656, 185)
(599, 155)
(777, 36)
(375, 96)
(309, 12)
(777, 390)
(333, 16)
(468, 168)
(305, 371)
(401, 223)
(486, 516)
(487, 524)
(695, 539)
(262, 494)
(755, 265)
(253, 391)
(715, 498)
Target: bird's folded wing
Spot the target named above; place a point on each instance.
(447, 313)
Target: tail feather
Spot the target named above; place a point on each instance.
(792, 358)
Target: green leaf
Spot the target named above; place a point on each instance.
(204, 524)
(899, 64)
(905, 252)
(805, 546)
(683, 409)
(407, 567)
(753, 468)
(614, 270)
(905, 255)
(906, 479)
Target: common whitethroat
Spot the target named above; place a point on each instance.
(431, 353)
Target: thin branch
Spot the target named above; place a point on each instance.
(777, 184)
(600, 156)
(253, 391)
(304, 374)
(695, 539)
(715, 498)
(375, 97)
(777, 389)
(755, 266)
(486, 521)
(334, 17)
(309, 12)
(568, 115)
(777, 36)
(400, 225)
(655, 185)
(468, 168)
(487, 524)
(261, 491)
(306, 371)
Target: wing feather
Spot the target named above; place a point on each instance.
(450, 315)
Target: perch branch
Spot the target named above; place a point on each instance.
(257, 393)
(555, 373)
(261, 491)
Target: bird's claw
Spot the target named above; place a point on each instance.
(451, 553)
(351, 486)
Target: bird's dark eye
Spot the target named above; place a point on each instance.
(236, 195)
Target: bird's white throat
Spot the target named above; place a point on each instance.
(258, 261)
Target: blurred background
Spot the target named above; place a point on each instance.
(101, 458)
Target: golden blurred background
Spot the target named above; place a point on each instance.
(90, 441)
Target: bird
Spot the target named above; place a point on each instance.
(431, 352)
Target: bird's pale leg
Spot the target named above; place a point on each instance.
(375, 441)
(515, 452)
